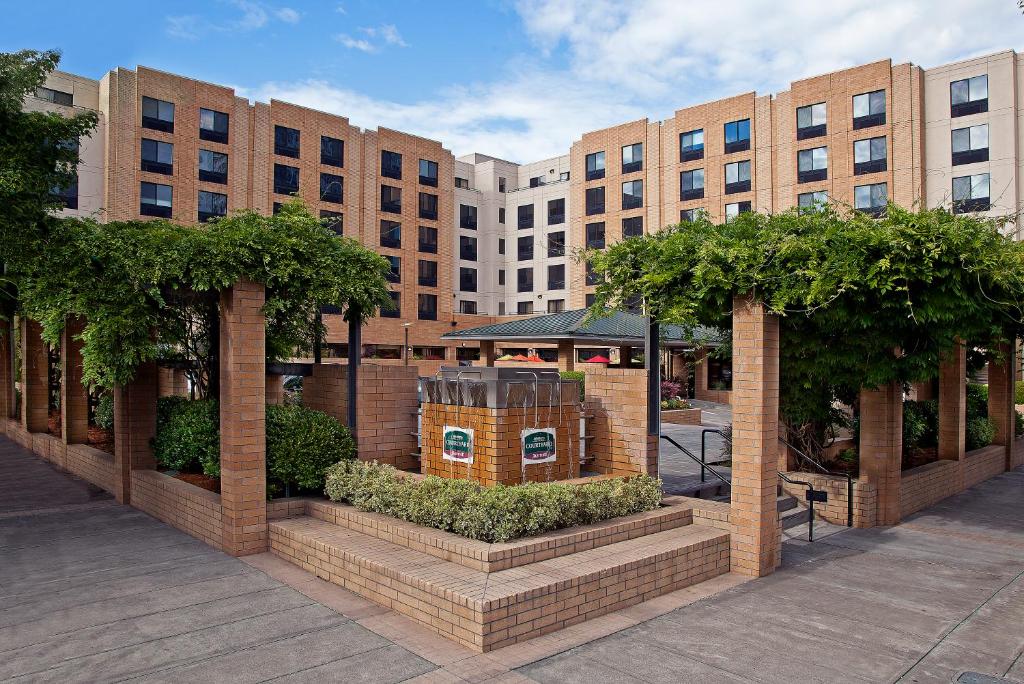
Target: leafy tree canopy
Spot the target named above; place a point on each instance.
(862, 301)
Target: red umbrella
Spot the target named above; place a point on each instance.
(597, 359)
(533, 358)
(519, 357)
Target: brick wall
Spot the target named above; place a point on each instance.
(191, 509)
(835, 510)
(982, 464)
(617, 400)
(928, 484)
(881, 448)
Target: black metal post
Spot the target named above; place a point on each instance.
(355, 349)
(317, 346)
(849, 500)
(652, 359)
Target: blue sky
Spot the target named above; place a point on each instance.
(519, 79)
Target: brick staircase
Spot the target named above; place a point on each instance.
(486, 596)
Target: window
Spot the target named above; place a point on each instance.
(632, 194)
(382, 351)
(501, 245)
(812, 201)
(734, 210)
(524, 308)
(971, 193)
(286, 179)
(524, 280)
(68, 195)
(429, 353)
(556, 306)
(595, 235)
(525, 215)
(691, 145)
(55, 96)
(467, 279)
(737, 177)
(501, 308)
(595, 166)
(810, 121)
(871, 199)
(970, 145)
(737, 135)
(277, 208)
(869, 156)
(391, 199)
(536, 181)
(157, 157)
(467, 248)
(467, 306)
(501, 276)
(592, 277)
(968, 96)
(687, 215)
(563, 176)
(719, 373)
(501, 184)
(395, 275)
(426, 273)
(428, 175)
(428, 240)
(556, 277)
(213, 126)
(155, 200)
(459, 182)
(428, 206)
(501, 214)
(426, 309)
(556, 212)
(332, 151)
(390, 234)
(869, 109)
(286, 141)
(212, 204)
(332, 220)
(556, 244)
(467, 216)
(524, 248)
(590, 299)
(396, 307)
(391, 165)
(157, 114)
(213, 167)
(812, 165)
(632, 158)
(595, 201)
(332, 188)
(632, 227)
(691, 184)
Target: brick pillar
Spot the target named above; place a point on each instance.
(275, 389)
(487, 354)
(953, 404)
(243, 472)
(74, 397)
(881, 447)
(134, 427)
(756, 539)
(34, 379)
(625, 357)
(6, 371)
(566, 355)
(700, 374)
(1000, 397)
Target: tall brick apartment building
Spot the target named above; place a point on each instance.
(475, 237)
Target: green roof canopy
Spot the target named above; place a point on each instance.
(617, 328)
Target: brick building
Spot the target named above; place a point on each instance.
(475, 237)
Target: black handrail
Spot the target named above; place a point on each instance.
(686, 451)
(810, 502)
(704, 446)
(826, 471)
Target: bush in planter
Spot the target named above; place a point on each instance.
(977, 400)
(674, 404)
(491, 514)
(1018, 393)
(980, 432)
(302, 444)
(103, 415)
(1018, 423)
(671, 389)
(188, 434)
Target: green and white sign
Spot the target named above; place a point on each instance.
(538, 445)
(458, 444)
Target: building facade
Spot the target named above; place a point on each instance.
(474, 238)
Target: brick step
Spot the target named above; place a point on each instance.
(487, 610)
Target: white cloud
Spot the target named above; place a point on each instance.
(287, 15)
(355, 43)
(251, 17)
(376, 38)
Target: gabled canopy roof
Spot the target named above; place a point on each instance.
(616, 328)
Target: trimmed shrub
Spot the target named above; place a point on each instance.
(977, 400)
(103, 415)
(1018, 393)
(188, 434)
(492, 514)
(302, 444)
(671, 389)
(578, 376)
(920, 424)
(980, 433)
(1018, 423)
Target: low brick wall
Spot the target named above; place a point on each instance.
(836, 509)
(81, 460)
(1017, 459)
(928, 484)
(191, 509)
(714, 395)
(984, 463)
(681, 416)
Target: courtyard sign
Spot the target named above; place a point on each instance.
(458, 444)
(538, 445)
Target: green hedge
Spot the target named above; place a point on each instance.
(188, 435)
(578, 376)
(491, 514)
(1018, 393)
(103, 416)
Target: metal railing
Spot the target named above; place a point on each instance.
(703, 465)
(812, 496)
(826, 471)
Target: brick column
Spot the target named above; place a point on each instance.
(625, 357)
(34, 380)
(74, 397)
(881, 447)
(487, 354)
(1000, 397)
(243, 471)
(6, 371)
(566, 355)
(953, 404)
(756, 539)
(134, 427)
(274, 389)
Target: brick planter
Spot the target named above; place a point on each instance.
(689, 416)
